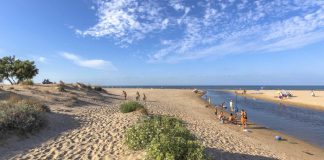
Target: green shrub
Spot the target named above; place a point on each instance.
(22, 116)
(27, 82)
(164, 138)
(130, 106)
(61, 88)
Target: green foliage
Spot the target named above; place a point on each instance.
(130, 106)
(61, 88)
(164, 138)
(13, 69)
(21, 115)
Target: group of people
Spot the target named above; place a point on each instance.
(284, 94)
(138, 96)
(232, 117)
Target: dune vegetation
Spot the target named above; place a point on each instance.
(130, 106)
(164, 137)
(21, 115)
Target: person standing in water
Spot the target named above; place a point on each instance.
(125, 94)
(231, 106)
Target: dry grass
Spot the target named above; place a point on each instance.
(21, 115)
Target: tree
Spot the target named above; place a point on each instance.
(12, 69)
(7, 69)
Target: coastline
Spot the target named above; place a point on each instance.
(102, 127)
(262, 132)
(300, 98)
(259, 136)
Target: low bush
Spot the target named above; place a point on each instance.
(130, 106)
(61, 88)
(22, 116)
(164, 138)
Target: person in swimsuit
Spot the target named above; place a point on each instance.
(221, 117)
(231, 119)
(243, 118)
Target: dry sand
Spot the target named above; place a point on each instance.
(88, 125)
(300, 98)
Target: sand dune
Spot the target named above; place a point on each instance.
(99, 129)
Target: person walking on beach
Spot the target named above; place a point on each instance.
(216, 110)
(144, 97)
(243, 118)
(138, 96)
(125, 94)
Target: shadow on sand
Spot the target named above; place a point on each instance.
(57, 123)
(223, 155)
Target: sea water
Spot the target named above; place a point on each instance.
(302, 123)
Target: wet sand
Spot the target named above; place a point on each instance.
(301, 98)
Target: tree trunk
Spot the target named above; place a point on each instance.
(10, 81)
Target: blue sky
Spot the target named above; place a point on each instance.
(168, 42)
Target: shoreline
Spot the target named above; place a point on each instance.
(291, 147)
(256, 125)
(101, 127)
(269, 96)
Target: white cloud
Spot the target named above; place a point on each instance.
(210, 28)
(121, 19)
(91, 63)
(221, 35)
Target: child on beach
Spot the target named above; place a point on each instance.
(221, 117)
(231, 119)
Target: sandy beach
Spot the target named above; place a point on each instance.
(301, 98)
(88, 125)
